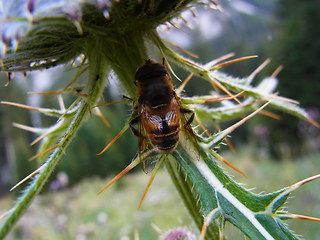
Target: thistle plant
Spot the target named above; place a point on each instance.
(119, 36)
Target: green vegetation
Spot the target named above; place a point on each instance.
(102, 40)
(112, 215)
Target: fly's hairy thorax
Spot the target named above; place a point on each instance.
(155, 92)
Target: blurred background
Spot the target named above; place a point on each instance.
(273, 153)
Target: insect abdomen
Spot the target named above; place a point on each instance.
(165, 139)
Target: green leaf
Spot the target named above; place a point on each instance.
(231, 202)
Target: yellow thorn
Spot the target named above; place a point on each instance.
(242, 121)
(182, 49)
(71, 106)
(22, 106)
(231, 62)
(209, 65)
(270, 114)
(24, 127)
(39, 138)
(304, 181)
(170, 69)
(26, 178)
(258, 69)
(151, 180)
(146, 190)
(81, 95)
(47, 93)
(277, 71)
(44, 152)
(100, 115)
(122, 173)
(225, 90)
(214, 87)
(206, 223)
(314, 123)
(275, 96)
(115, 138)
(194, 64)
(230, 145)
(220, 99)
(303, 217)
(203, 231)
(229, 164)
(202, 126)
(2, 216)
(109, 103)
(61, 103)
(181, 87)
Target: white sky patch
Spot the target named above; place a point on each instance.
(244, 7)
(209, 26)
(175, 36)
(205, 21)
(44, 79)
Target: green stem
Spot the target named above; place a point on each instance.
(184, 187)
(98, 72)
(127, 54)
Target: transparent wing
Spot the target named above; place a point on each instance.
(148, 159)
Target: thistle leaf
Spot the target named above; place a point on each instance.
(119, 36)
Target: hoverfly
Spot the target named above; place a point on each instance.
(158, 119)
(158, 116)
(159, 110)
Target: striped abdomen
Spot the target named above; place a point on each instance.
(165, 139)
(163, 131)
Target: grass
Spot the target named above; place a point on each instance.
(79, 213)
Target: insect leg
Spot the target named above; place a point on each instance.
(137, 133)
(133, 122)
(126, 97)
(190, 119)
